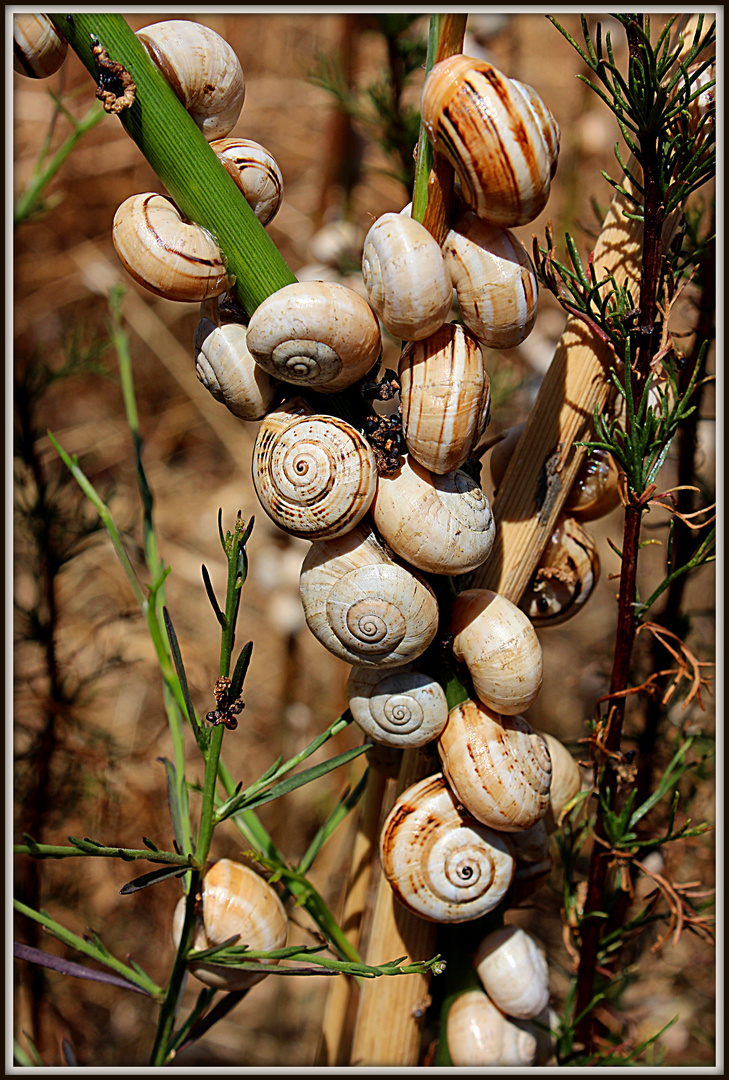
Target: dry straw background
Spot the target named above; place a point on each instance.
(104, 779)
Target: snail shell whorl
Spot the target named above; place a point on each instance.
(566, 576)
(226, 368)
(566, 779)
(514, 972)
(479, 1034)
(499, 767)
(38, 48)
(255, 172)
(499, 646)
(441, 863)
(402, 708)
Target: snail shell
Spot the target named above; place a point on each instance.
(439, 524)
(319, 334)
(499, 646)
(442, 864)
(315, 476)
(566, 576)
(402, 708)
(479, 1034)
(498, 134)
(226, 368)
(595, 491)
(165, 254)
(255, 172)
(235, 901)
(514, 972)
(202, 69)
(533, 859)
(38, 48)
(498, 767)
(494, 279)
(406, 281)
(364, 607)
(566, 779)
(445, 396)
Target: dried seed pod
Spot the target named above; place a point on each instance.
(499, 646)
(403, 707)
(439, 524)
(319, 334)
(406, 281)
(226, 368)
(256, 173)
(364, 607)
(498, 134)
(494, 279)
(442, 864)
(498, 766)
(165, 254)
(235, 901)
(566, 779)
(446, 397)
(315, 476)
(514, 972)
(38, 48)
(566, 576)
(202, 69)
(479, 1034)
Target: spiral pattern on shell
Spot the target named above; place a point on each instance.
(401, 708)
(225, 367)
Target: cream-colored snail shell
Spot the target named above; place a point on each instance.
(403, 707)
(167, 255)
(499, 646)
(566, 576)
(494, 279)
(235, 901)
(226, 368)
(439, 524)
(202, 69)
(406, 281)
(566, 779)
(533, 859)
(442, 864)
(38, 48)
(314, 475)
(498, 134)
(362, 606)
(478, 1033)
(319, 334)
(514, 972)
(256, 173)
(498, 766)
(446, 397)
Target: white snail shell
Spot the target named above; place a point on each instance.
(226, 368)
(514, 972)
(256, 173)
(315, 475)
(498, 766)
(442, 864)
(499, 646)
(402, 707)
(445, 396)
(406, 281)
(441, 524)
(235, 900)
(494, 279)
(364, 607)
(498, 134)
(38, 48)
(478, 1033)
(566, 779)
(164, 253)
(319, 334)
(566, 576)
(202, 69)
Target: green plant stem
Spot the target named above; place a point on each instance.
(61, 851)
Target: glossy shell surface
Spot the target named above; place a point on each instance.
(402, 707)
(256, 173)
(479, 1034)
(566, 576)
(566, 779)
(514, 972)
(226, 368)
(38, 48)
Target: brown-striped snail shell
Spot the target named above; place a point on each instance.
(319, 334)
(533, 859)
(364, 607)
(478, 1033)
(514, 972)
(315, 475)
(494, 279)
(441, 524)
(202, 69)
(566, 576)
(442, 864)
(445, 396)
(498, 134)
(235, 901)
(499, 646)
(566, 779)
(498, 766)
(38, 48)
(402, 707)
(167, 255)
(406, 281)
(256, 173)
(226, 368)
